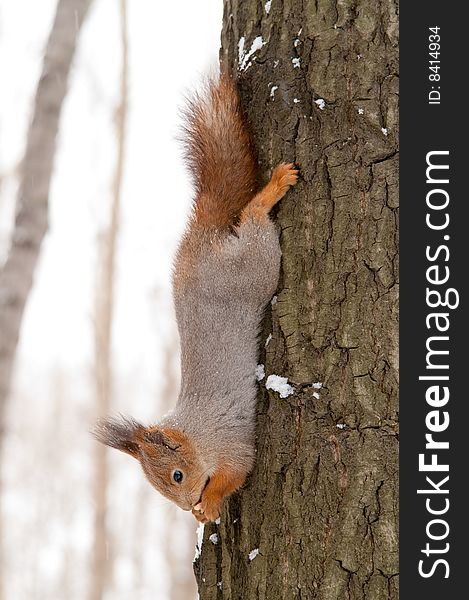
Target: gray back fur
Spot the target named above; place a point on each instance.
(229, 277)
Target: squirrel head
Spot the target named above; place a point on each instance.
(167, 456)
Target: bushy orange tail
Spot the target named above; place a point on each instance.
(219, 153)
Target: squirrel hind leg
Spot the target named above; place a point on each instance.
(283, 177)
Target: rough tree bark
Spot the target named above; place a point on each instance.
(321, 505)
(104, 313)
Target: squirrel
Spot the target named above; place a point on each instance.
(226, 271)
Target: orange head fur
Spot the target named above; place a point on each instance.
(167, 456)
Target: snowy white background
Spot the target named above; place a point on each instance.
(47, 504)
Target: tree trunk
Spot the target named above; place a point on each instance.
(104, 312)
(318, 517)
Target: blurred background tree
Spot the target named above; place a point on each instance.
(32, 203)
(32, 208)
(94, 334)
(101, 559)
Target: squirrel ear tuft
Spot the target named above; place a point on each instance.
(163, 437)
(120, 433)
(154, 436)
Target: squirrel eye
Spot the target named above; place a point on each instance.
(177, 476)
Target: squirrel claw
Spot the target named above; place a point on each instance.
(201, 518)
(206, 510)
(283, 177)
(285, 174)
(198, 513)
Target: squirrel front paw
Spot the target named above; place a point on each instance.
(208, 509)
(201, 518)
(222, 483)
